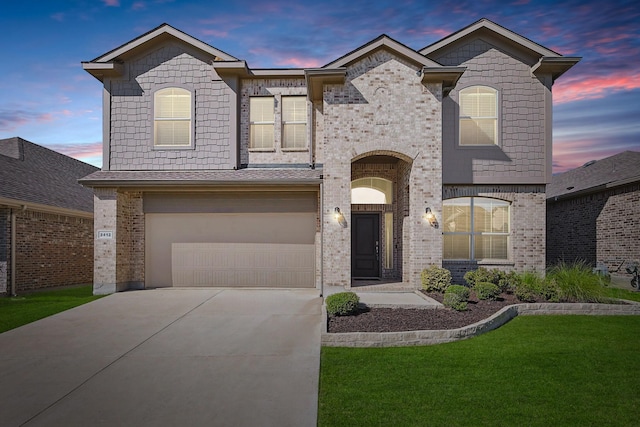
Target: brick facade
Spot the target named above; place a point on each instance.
(52, 250)
(527, 243)
(597, 227)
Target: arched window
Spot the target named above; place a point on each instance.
(478, 116)
(371, 191)
(172, 123)
(476, 228)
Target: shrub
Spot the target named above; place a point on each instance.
(456, 297)
(576, 282)
(435, 279)
(342, 304)
(505, 281)
(486, 290)
(533, 287)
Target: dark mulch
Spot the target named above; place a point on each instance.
(403, 319)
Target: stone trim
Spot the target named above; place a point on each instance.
(431, 337)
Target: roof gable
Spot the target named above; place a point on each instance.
(110, 63)
(483, 26)
(382, 42)
(31, 173)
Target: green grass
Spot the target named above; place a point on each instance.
(622, 294)
(18, 311)
(534, 371)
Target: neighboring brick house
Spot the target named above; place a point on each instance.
(376, 165)
(46, 219)
(593, 213)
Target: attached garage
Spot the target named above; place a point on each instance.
(228, 239)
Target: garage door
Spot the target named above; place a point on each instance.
(224, 239)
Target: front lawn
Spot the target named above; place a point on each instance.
(534, 371)
(18, 311)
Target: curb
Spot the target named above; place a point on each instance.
(431, 337)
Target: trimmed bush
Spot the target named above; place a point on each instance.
(456, 297)
(507, 282)
(435, 279)
(342, 304)
(486, 291)
(527, 289)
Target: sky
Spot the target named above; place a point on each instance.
(46, 97)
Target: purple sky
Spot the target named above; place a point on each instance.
(46, 97)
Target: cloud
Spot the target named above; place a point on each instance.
(139, 5)
(78, 150)
(13, 119)
(111, 3)
(591, 87)
(58, 16)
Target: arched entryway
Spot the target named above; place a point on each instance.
(379, 204)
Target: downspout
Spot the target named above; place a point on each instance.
(321, 240)
(12, 291)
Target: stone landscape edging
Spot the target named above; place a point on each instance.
(430, 337)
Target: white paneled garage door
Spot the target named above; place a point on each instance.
(225, 239)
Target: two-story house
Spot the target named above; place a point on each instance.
(375, 166)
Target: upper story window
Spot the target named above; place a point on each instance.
(172, 122)
(261, 117)
(294, 122)
(478, 116)
(476, 228)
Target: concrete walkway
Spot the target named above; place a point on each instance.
(174, 357)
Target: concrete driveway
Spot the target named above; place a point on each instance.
(177, 357)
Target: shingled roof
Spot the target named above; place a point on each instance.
(597, 175)
(31, 173)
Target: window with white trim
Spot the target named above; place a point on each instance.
(172, 109)
(261, 118)
(476, 228)
(478, 116)
(294, 122)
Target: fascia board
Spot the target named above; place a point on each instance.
(492, 26)
(162, 30)
(554, 65)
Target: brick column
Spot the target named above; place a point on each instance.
(105, 203)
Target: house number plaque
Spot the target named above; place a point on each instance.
(105, 234)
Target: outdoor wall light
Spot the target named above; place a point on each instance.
(430, 217)
(339, 217)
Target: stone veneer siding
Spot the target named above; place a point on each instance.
(277, 88)
(598, 227)
(527, 243)
(382, 108)
(522, 156)
(119, 262)
(131, 136)
(52, 250)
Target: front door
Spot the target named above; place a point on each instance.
(365, 245)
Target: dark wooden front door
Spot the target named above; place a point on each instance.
(365, 245)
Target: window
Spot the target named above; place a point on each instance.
(294, 122)
(476, 228)
(261, 118)
(478, 116)
(172, 117)
(368, 191)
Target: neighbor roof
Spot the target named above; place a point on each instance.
(30, 173)
(623, 168)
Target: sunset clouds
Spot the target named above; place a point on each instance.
(47, 98)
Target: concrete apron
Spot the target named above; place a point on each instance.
(212, 357)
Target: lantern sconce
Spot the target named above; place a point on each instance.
(339, 217)
(431, 217)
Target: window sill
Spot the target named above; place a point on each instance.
(262, 150)
(295, 150)
(172, 147)
(479, 262)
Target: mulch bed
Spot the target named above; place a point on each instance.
(404, 319)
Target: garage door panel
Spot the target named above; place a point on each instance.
(243, 264)
(238, 265)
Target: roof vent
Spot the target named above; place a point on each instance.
(589, 163)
